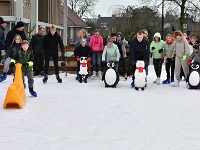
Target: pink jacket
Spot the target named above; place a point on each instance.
(96, 43)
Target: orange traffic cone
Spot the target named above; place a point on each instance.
(15, 96)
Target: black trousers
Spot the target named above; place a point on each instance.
(38, 62)
(122, 62)
(157, 66)
(182, 73)
(55, 62)
(170, 65)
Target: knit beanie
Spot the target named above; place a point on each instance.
(19, 24)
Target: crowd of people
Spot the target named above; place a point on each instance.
(177, 51)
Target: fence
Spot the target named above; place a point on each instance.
(71, 64)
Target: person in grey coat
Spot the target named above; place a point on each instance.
(123, 44)
(182, 51)
(2, 35)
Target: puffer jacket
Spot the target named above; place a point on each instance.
(81, 51)
(12, 50)
(112, 53)
(157, 45)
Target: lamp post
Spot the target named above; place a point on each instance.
(163, 17)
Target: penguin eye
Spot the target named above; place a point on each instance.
(197, 67)
(113, 64)
(108, 64)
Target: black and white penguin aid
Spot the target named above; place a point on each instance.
(110, 76)
(140, 75)
(83, 73)
(194, 76)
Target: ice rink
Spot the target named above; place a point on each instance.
(87, 116)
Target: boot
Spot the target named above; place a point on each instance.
(58, 78)
(32, 92)
(155, 81)
(99, 74)
(125, 76)
(167, 81)
(94, 74)
(3, 77)
(41, 73)
(158, 80)
(45, 78)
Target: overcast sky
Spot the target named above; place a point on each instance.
(103, 6)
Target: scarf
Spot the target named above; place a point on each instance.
(169, 42)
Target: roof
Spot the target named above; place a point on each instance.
(73, 20)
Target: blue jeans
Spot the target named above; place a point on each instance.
(96, 58)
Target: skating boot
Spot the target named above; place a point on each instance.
(94, 75)
(99, 74)
(45, 78)
(3, 77)
(32, 92)
(167, 81)
(58, 78)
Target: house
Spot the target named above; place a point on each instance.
(107, 25)
(74, 24)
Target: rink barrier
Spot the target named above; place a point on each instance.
(15, 96)
(71, 61)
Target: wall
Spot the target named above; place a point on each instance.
(5, 8)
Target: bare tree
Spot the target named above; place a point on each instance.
(183, 7)
(82, 8)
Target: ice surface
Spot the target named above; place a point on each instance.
(87, 116)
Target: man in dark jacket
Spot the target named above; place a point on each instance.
(2, 36)
(18, 29)
(50, 46)
(138, 51)
(36, 45)
(83, 50)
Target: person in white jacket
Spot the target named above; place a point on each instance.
(111, 51)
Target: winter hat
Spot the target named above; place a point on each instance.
(113, 34)
(84, 40)
(119, 34)
(19, 24)
(2, 20)
(188, 33)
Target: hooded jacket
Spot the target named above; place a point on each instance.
(111, 52)
(2, 38)
(157, 45)
(181, 48)
(81, 51)
(10, 36)
(96, 43)
(50, 43)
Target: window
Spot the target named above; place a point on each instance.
(71, 34)
(113, 30)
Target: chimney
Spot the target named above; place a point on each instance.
(99, 16)
(113, 16)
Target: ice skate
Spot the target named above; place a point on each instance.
(45, 78)
(58, 78)
(32, 92)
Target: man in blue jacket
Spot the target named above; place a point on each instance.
(2, 36)
(138, 51)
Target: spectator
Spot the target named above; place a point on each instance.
(50, 45)
(2, 36)
(36, 44)
(82, 35)
(18, 29)
(122, 49)
(96, 44)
